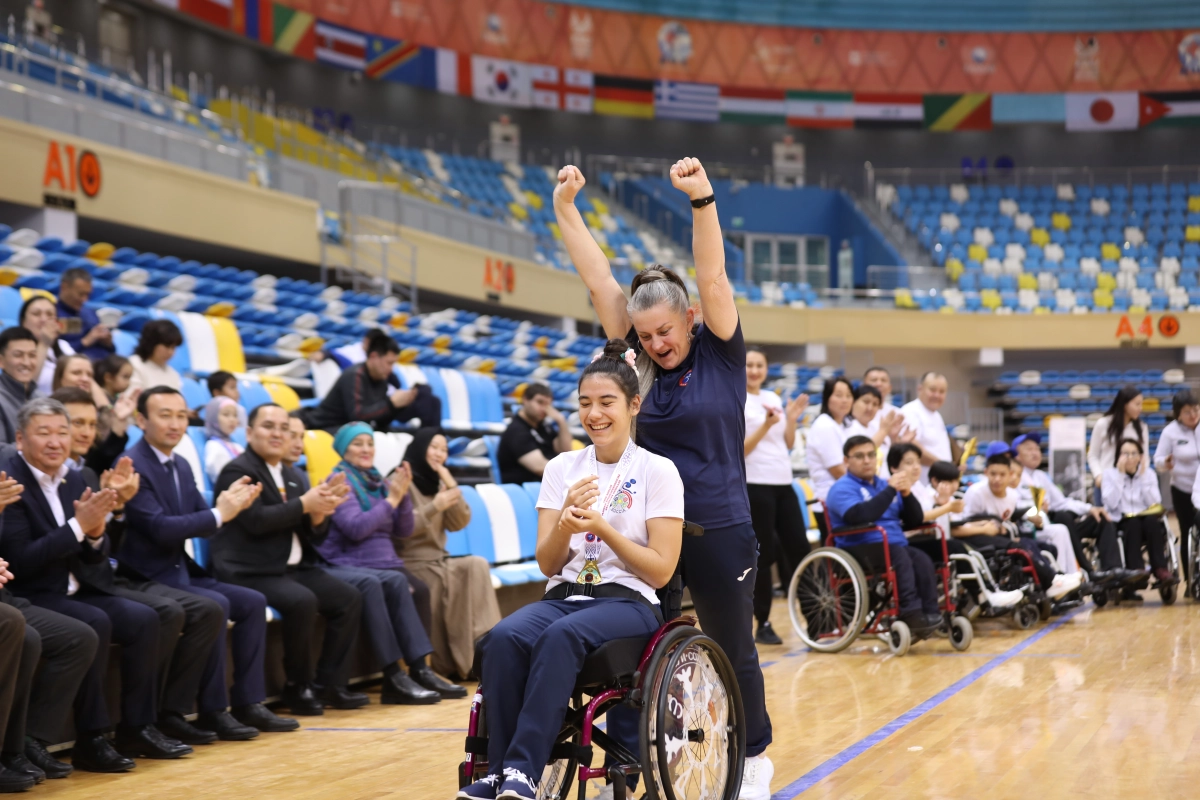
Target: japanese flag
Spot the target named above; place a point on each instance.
(1102, 111)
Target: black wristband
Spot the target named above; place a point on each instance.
(703, 201)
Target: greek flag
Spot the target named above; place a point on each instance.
(696, 102)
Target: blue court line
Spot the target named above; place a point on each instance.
(828, 767)
(766, 664)
(382, 730)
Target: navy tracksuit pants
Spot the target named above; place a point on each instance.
(530, 664)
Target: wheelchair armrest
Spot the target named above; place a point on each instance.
(692, 529)
(848, 531)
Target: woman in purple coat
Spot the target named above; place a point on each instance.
(360, 550)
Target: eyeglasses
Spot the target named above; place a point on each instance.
(865, 456)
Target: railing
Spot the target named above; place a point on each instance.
(917, 279)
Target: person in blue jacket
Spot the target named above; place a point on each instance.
(861, 498)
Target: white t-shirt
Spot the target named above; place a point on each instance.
(650, 487)
(825, 440)
(769, 463)
(927, 497)
(979, 500)
(931, 432)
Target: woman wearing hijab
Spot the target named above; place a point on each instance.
(463, 601)
(361, 551)
(222, 417)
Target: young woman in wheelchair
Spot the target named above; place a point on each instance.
(610, 527)
(1131, 495)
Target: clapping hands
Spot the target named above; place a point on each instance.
(122, 480)
(240, 495)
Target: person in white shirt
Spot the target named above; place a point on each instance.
(151, 359)
(774, 508)
(1123, 420)
(610, 530)
(924, 417)
(994, 501)
(1130, 490)
(40, 316)
(1179, 453)
(1083, 521)
(828, 433)
(1047, 532)
(222, 418)
(867, 418)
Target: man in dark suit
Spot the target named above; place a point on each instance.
(166, 512)
(12, 643)
(57, 525)
(270, 548)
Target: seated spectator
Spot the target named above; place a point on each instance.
(294, 451)
(113, 373)
(18, 381)
(151, 359)
(1046, 532)
(988, 513)
(58, 524)
(222, 418)
(224, 384)
(351, 354)
(1123, 420)
(370, 392)
(361, 548)
(860, 498)
(39, 316)
(81, 327)
(529, 441)
(463, 601)
(1132, 497)
(113, 417)
(271, 548)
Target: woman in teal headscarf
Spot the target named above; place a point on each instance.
(361, 552)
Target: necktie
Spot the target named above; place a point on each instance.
(173, 476)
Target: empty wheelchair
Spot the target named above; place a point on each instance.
(832, 600)
(692, 729)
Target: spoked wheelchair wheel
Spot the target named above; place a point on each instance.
(694, 728)
(827, 600)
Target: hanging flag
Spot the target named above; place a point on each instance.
(1102, 111)
(753, 106)
(624, 97)
(958, 112)
(293, 31)
(566, 89)
(820, 109)
(214, 12)
(340, 47)
(401, 62)
(694, 102)
(888, 110)
(506, 83)
(453, 71)
(1169, 109)
(252, 18)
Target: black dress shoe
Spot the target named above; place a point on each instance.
(176, 727)
(36, 752)
(342, 698)
(256, 715)
(431, 680)
(301, 700)
(225, 727)
(94, 753)
(400, 689)
(17, 762)
(767, 635)
(1130, 595)
(148, 742)
(12, 781)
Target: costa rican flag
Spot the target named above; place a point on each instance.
(341, 47)
(566, 89)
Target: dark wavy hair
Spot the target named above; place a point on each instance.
(154, 333)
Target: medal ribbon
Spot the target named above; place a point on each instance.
(620, 470)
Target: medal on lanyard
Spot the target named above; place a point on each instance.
(592, 546)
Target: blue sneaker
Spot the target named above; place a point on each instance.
(516, 786)
(482, 789)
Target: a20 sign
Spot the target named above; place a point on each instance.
(71, 170)
(1167, 327)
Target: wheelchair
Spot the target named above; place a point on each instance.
(832, 600)
(691, 731)
(1193, 584)
(1168, 592)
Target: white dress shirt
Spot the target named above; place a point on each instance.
(276, 471)
(163, 458)
(49, 485)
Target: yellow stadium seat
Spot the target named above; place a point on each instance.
(1192, 234)
(318, 449)
(100, 251)
(1027, 280)
(1110, 252)
(1041, 310)
(609, 253)
(1061, 221)
(1106, 281)
(27, 293)
(1151, 404)
(947, 310)
(977, 252)
(518, 211)
(230, 354)
(8, 276)
(1137, 310)
(534, 199)
(593, 220)
(221, 309)
(441, 343)
(1040, 237)
(281, 393)
(954, 268)
(311, 344)
(408, 355)
(600, 206)
(990, 298)
(1102, 298)
(904, 299)
(1193, 204)
(554, 230)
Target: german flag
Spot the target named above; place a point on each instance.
(623, 97)
(958, 112)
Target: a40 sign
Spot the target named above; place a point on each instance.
(1131, 335)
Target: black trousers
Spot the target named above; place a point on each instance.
(300, 595)
(916, 579)
(12, 644)
(1185, 512)
(782, 534)
(57, 654)
(1088, 527)
(1147, 531)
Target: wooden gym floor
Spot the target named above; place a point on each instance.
(1100, 703)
